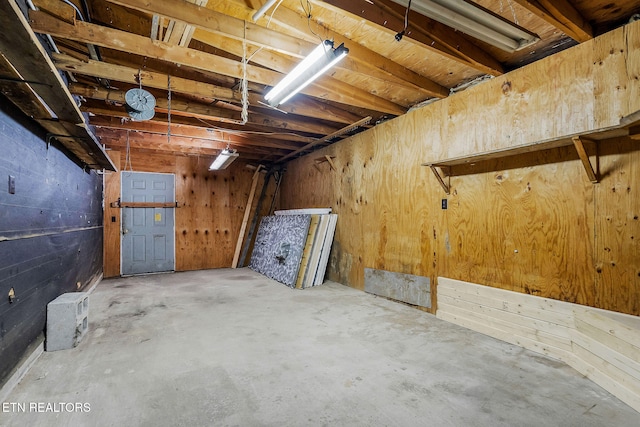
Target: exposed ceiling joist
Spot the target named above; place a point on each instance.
(28, 61)
(359, 55)
(121, 40)
(304, 106)
(136, 139)
(562, 15)
(160, 127)
(191, 109)
(446, 41)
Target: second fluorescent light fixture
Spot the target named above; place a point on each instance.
(224, 159)
(475, 21)
(313, 66)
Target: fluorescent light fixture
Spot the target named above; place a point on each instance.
(224, 159)
(263, 10)
(313, 66)
(475, 21)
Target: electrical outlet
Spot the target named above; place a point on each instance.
(444, 203)
(12, 184)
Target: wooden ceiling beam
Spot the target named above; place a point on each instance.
(175, 141)
(562, 15)
(445, 41)
(28, 61)
(304, 106)
(160, 127)
(155, 80)
(181, 32)
(364, 66)
(264, 122)
(121, 40)
(192, 109)
(360, 59)
(58, 9)
(153, 142)
(178, 106)
(221, 23)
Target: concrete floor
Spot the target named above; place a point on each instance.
(233, 348)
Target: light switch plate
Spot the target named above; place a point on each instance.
(12, 184)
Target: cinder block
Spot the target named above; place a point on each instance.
(67, 320)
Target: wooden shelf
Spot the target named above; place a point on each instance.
(34, 85)
(629, 127)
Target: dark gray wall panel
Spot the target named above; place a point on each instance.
(408, 288)
(50, 231)
(279, 244)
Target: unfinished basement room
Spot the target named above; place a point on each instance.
(320, 213)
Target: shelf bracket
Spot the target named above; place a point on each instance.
(446, 186)
(328, 159)
(578, 142)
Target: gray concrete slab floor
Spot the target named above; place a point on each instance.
(233, 348)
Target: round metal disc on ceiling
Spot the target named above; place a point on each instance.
(140, 99)
(140, 116)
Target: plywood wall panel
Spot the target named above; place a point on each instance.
(617, 233)
(396, 198)
(531, 223)
(556, 94)
(616, 71)
(209, 214)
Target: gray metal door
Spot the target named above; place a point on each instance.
(148, 236)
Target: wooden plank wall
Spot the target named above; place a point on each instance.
(602, 345)
(530, 223)
(210, 212)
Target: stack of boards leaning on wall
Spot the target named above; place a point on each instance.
(293, 246)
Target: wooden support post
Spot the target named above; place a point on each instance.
(578, 142)
(254, 221)
(247, 212)
(446, 186)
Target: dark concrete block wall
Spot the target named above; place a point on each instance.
(50, 231)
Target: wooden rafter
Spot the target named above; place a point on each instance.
(274, 124)
(304, 106)
(161, 127)
(447, 43)
(326, 138)
(562, 15)
(150, 141)
(180, 33)
(192, 109)
(121, 40)
(23, 54)
(360, 59)
(364, 66)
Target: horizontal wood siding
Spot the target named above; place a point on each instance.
(602, 345)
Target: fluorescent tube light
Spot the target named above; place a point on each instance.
(224, 159)
(471, 19)
(313, 66)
